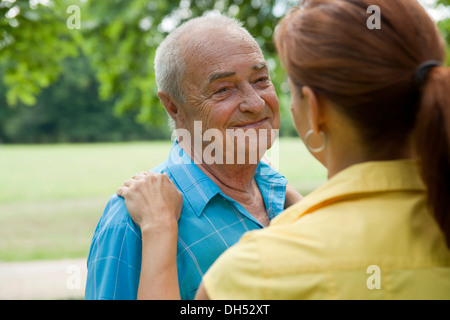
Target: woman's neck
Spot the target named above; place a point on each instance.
(342, 156)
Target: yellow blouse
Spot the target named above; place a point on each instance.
(365, 234)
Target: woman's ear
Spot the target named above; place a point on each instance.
(171, 107)
(315, 109)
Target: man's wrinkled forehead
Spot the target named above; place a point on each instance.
(215, 46)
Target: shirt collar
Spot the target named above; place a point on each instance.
(273, 188)
(198, 189)
(362, 178)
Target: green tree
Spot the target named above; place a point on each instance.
(69, 110)
(34, 40)
(121, 43)
(119, 39)
(444, 26)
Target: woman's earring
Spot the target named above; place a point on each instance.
(319, 149)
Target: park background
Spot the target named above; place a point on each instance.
(79, 115)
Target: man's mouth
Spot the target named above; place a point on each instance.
(251, 124)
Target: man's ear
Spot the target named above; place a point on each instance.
(171, 107)
(315, 112)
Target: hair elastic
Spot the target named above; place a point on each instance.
(422, 71)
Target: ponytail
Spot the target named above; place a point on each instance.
(433, 144)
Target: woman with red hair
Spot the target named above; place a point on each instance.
(373, 106)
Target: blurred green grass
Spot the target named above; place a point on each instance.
(52, 196)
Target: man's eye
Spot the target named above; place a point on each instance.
(222, 90)
(262, 79)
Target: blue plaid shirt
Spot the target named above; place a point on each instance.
(210, 222)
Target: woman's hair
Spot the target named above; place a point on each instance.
(369, 75)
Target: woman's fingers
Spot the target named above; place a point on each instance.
(141, 175)
(127, 183)
(121, 191)
(138, 176)
(151, 198)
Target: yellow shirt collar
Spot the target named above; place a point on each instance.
(361, 178)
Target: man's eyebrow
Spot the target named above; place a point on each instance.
(220, 75)
(260, 66)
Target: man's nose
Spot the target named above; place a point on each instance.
(252, 101)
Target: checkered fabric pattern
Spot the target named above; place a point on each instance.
(210, 223)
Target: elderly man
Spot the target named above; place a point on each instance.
(211, 72)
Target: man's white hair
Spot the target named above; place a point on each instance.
(169, 58)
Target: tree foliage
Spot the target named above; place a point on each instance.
(444, 26)
(32, 45)
(69, 110)
(118, 39)
(121, 45)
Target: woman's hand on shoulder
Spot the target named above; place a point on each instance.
(152, 200)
